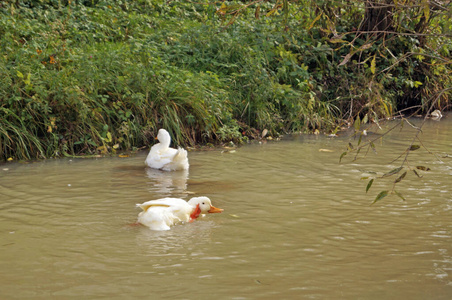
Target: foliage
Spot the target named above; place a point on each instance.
(99, 76)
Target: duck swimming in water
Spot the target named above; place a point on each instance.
(163, 213)
(165, 158)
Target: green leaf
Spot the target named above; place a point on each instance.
(380, 196)
(400, 195)
(350, 146)
(372, 145)
(369, 184)
(400, 177)
(342, 155)
(357, 123)
(392, 172)
(365, 119)
(28, 80)
(414, 147)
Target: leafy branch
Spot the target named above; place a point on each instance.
(405, 166)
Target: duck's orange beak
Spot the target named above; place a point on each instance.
(213, 209)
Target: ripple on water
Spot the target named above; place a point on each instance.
(297, 224)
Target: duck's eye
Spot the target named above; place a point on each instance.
(203, 203)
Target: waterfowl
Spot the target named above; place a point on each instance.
(161, 214)
(165, 158)
(436, 115)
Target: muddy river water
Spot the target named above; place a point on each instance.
(297, 224)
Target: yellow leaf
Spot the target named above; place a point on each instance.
(274, 10)
(385, 107)
(335, 41)
(123, 155)
(314, 21)
(425, 4)
(373, 65)
(10, 159)
(102, 149)
(222, 10)
(109, 138)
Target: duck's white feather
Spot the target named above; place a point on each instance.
(161, 156)
(161, 214)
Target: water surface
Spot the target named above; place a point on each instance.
(297, 225)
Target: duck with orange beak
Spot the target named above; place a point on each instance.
(163, 213)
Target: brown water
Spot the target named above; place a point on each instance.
(297, 225)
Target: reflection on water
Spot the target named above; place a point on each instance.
(167, 183)
(297, 224)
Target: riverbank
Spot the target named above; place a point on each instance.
(98, 77)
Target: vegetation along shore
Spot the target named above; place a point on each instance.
(89, 77)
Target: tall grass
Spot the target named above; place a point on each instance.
(85, 77)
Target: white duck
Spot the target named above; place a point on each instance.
(165, 158)
(162, 213)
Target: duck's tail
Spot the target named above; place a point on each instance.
(179, 161)
(181, 154)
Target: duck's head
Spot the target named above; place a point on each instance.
(164, 137)
(202, 205)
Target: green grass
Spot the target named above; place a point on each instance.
(88, 77)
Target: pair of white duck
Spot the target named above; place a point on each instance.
(161, 214)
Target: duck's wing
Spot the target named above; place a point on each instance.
(158, 158)
(162, 213)
(172, 203)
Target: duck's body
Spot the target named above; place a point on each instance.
(165, 158)
(161, 214)
(436, 114)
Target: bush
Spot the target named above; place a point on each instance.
(95, 76)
